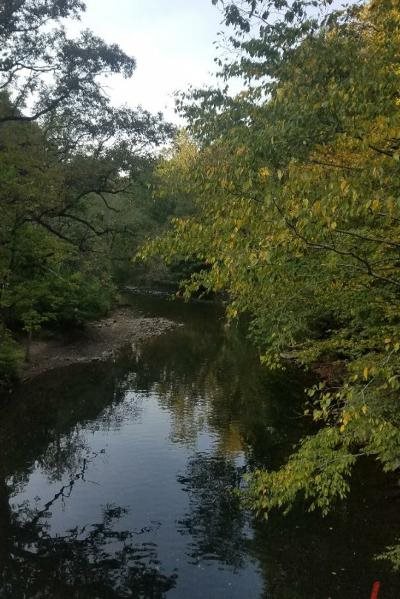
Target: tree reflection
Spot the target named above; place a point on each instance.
(211, 379)
(49, 429)
(211, 387)
(94, 560)
(207, 381)
(216, 522)
(44, 423)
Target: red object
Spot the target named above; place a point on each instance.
(375, 590)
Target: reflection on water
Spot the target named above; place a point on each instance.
(117, 480)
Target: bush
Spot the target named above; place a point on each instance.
(11, 357)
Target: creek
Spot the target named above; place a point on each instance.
(118, 479)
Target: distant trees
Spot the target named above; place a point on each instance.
(296, 186)
(70, 164)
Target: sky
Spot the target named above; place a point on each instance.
(171, 40)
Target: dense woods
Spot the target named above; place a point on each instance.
(284, 197)
(75, 175)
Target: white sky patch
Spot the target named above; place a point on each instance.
(171, 40)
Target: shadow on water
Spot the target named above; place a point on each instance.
(117, 480)
(48, 428)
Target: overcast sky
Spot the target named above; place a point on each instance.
(172, 41)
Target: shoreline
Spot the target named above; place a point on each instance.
(97, 341)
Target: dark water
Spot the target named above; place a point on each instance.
(116, 479)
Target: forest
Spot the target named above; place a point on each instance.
(282, 199)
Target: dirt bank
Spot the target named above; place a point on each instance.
(96, 342)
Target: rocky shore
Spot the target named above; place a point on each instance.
(96, 342)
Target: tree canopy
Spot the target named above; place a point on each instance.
(71, 166)
(296, 187)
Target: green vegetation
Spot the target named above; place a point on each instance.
(296, 190)
(75, 175)
(285, 197)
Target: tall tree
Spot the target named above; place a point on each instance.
(296, 183)
(66, 155)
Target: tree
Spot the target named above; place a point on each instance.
(67, 157)
(41, 64)
(296, 181)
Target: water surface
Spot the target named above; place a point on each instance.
(117, 479)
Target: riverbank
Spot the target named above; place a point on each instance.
(98, 341)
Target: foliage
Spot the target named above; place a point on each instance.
(296, 187)
(392, 554)
(71, 165)
(10, 357)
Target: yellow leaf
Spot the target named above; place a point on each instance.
(264, 172)
(375, 205)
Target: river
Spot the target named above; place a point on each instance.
(117, 480)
